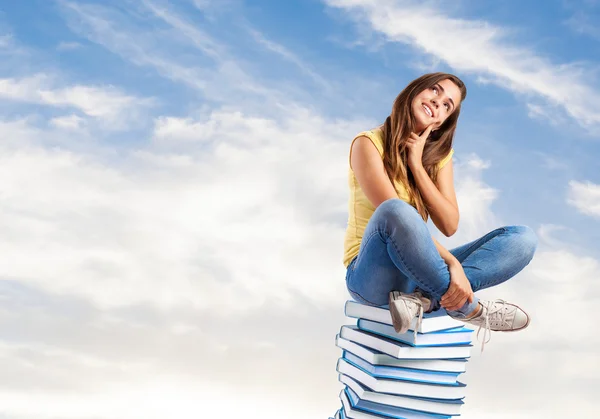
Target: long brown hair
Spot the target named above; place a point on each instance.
(401, 123)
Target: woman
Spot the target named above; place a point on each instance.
(400, 174)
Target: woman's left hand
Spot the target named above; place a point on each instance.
(416, 144)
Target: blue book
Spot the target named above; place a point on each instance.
(402, 350)
(395, 373)
(382, 409)
(402, 387)
(354, 412)
(462, 336)
(437, 406)
(432, 322)
(376, 357)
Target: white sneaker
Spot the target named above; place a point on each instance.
(405, 307)
(500, 316)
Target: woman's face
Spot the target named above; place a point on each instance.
(434, 105)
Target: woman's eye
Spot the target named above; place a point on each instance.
(447, 106)
(435, 90)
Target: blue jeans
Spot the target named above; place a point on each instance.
(397, 253)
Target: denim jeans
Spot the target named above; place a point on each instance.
(397, 253)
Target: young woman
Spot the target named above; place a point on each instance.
(400, 174)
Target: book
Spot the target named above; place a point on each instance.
(432, 322)
(375, 357)
(442, 407)
(460, 336)
(401, 350)
(401, 387)
(355, 412)
(395, 373)
(388, 411)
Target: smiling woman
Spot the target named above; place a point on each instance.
(400, 174)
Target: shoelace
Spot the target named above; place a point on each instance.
(487, 312)
(419, 304)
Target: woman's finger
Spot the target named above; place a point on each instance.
(427, 131)
(462, 302)
(450, 293)
(451, 302)
(457, 298)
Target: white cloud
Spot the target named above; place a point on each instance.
(544, 113)
(178, 129)
(585, 196)
(551, 162)
(5, 40)
(288, 55)
(72, 122)
(265, 191)
(213, 72)
(105, 103)
(479, 47)
(68, 46)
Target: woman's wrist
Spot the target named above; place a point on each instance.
(417, 167)
(452, 262)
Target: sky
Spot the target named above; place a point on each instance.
(173, 183)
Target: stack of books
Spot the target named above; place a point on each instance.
(395, 375)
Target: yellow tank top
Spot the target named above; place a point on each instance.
(360, 208)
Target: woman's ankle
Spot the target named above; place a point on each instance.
(476, 312)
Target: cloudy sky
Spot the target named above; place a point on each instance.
(174, 199)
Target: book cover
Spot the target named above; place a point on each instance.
(402, 350)
(432, 322)
(462, 336)
(375, 357)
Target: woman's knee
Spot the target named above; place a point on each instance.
(525, 240)
(397, 212)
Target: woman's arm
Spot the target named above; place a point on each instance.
(367, 165)
(370, 173)
(440, 199)
(460, 289)
(448, 257)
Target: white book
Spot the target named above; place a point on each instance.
(401, 350)
(375, 357)
(432, 322)
(352, 412)
(441, 407)
(399, 387)
(462, 336)
(407, 374)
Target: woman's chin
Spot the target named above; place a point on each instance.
(420, 127)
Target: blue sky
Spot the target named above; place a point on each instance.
(173, 182)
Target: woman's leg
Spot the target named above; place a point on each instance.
(396, 253)
(497, 256)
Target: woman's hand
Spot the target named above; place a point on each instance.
(416, 144)
(459, 291)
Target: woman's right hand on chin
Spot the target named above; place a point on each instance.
(460, 290)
